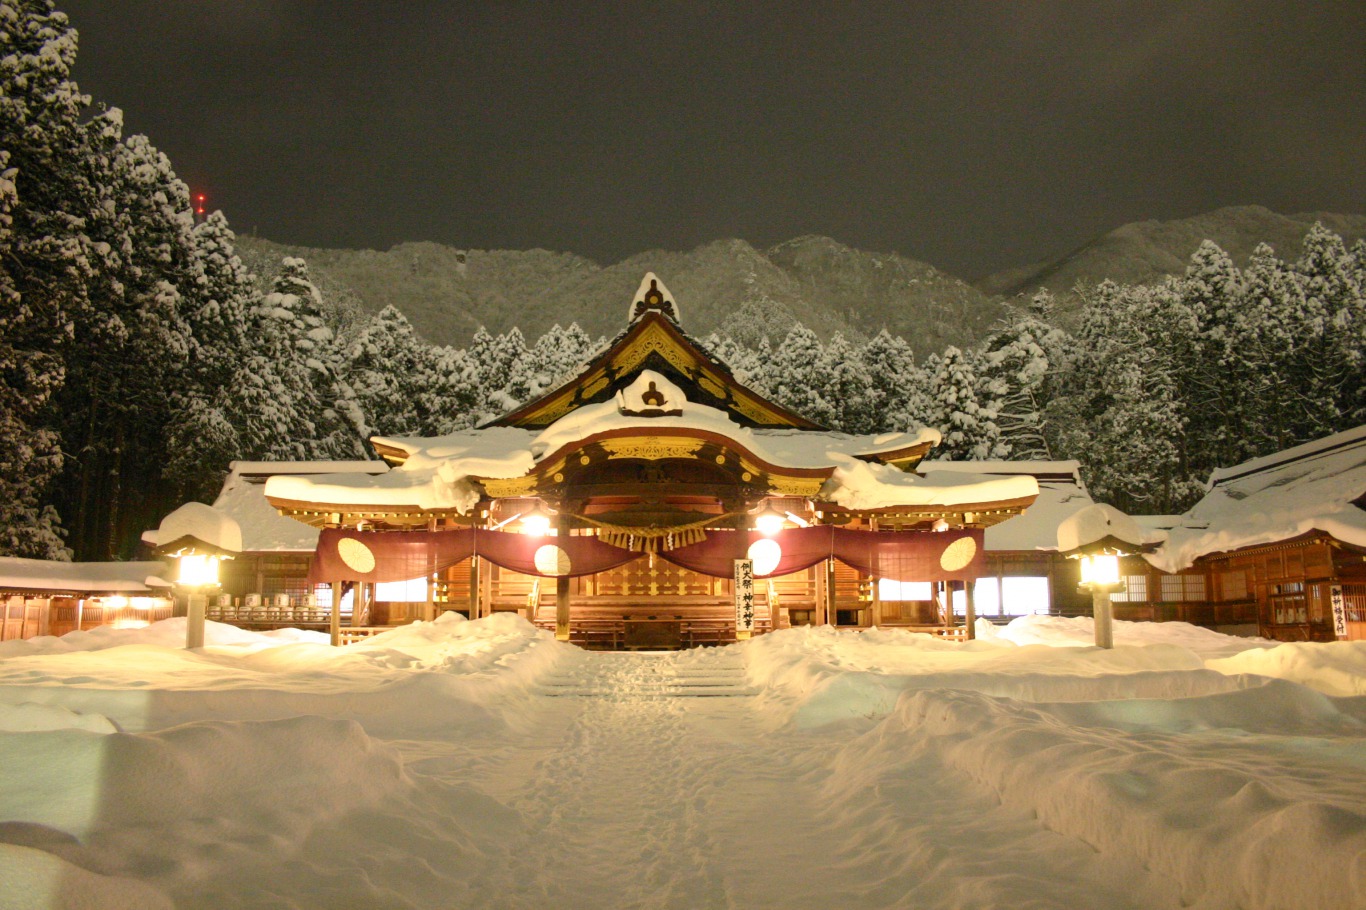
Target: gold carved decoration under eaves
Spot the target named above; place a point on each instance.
(652, 449)
(805, 487)
(502, 488)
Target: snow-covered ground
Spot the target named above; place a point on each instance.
(483, 764)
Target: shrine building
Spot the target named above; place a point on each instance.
(623, 508)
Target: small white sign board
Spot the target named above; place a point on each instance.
(744, 595)
(1339, 605)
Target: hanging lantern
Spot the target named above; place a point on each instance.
(769, 522)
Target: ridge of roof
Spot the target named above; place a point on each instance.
(1317, 448)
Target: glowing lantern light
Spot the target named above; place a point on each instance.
(536, 523)
(769, 522)
(198, 570)
(1100, 569)
(765, 554)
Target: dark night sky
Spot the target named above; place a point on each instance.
(972, 135)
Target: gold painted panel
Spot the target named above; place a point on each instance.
(652, 449)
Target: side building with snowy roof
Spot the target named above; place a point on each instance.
(44, 597)
(1277, 543)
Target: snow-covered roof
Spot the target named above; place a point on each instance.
(81, 577)
(1061, 493)
(437, 473)
(1311, 487)
(243, 499)
(862, 485)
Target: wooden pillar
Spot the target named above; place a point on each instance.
(360, 603)
(970, 608)
(825, 614)
(429, 608)
(474, 587)
(334, 615)
(562, 590)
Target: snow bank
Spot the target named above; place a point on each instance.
(1230, 823)
(813, 677)
(38, 879)
(1080, 631)
(1335, 668)
(448, 673)
(167, 633)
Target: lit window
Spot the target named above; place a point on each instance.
(1025, 594)
(988, 596)
(890, 589)
(1135, 590)
(413, 590)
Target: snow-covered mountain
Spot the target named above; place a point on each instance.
(448, 293)
(1147, 251)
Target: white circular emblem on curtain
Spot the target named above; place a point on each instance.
(765, 554)
(551, 560)
(958, 554)
(356, 555)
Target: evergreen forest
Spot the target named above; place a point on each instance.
(139, 357)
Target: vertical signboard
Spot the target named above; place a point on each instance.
(744, 598)
(1339, 606)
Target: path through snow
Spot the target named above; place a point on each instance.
(639, 793)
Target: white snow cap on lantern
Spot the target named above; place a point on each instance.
(1098, 522)
(640, 305)
(203, 523)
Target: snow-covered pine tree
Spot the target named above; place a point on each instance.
(1121, 416)
(550, 361)
(745, 364)
(969, 430)
(390, 370)
(48, 258)
(1017, 375)
(203, 436)
(378, 363)
(1208, 368)
(297, 382)
(1265, 341)
(30, 454)
(451, 401)
(848, 386)
(794, 377)
(900, 397)
(1332, 333)
(115, 418)
(497, 355)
